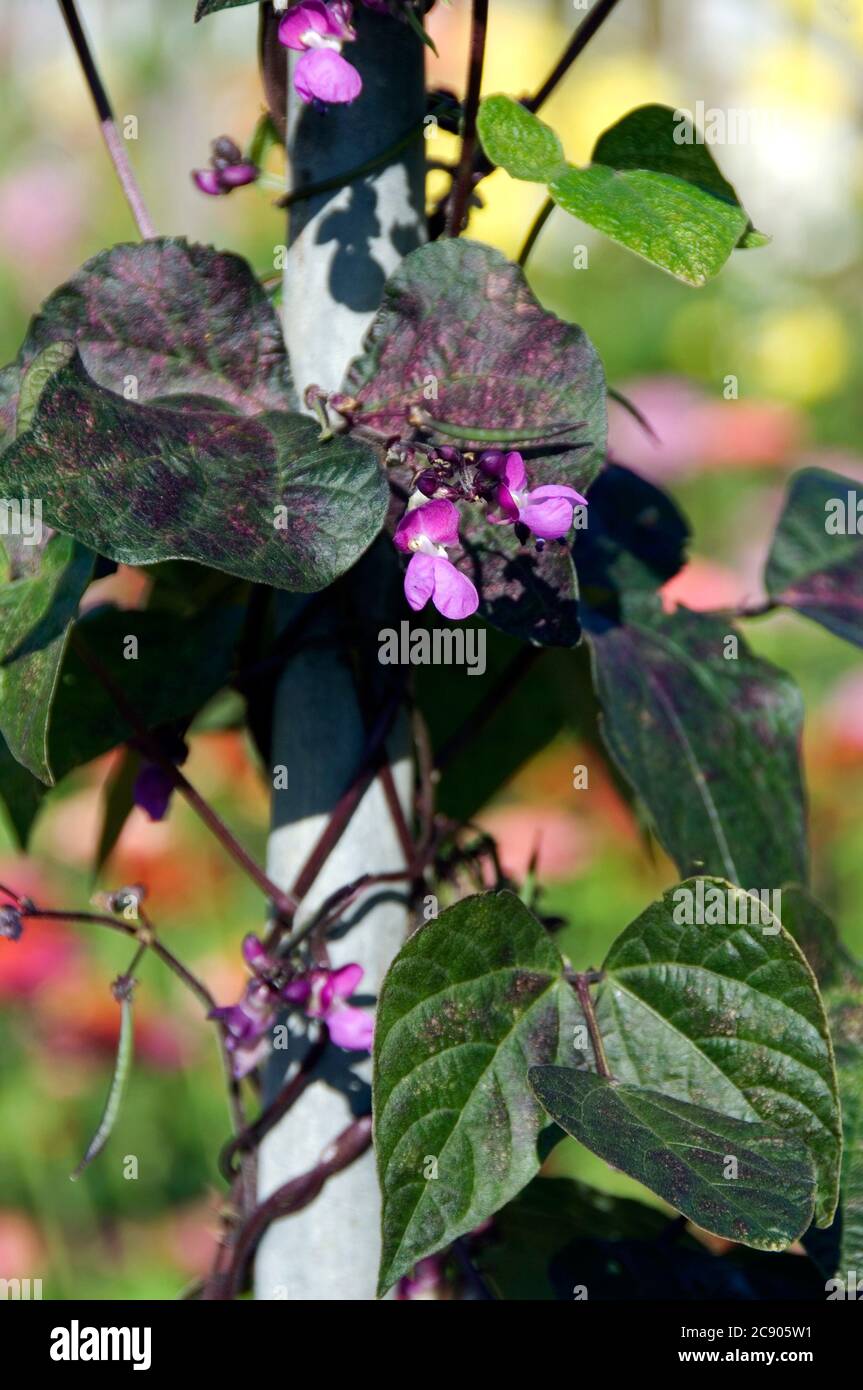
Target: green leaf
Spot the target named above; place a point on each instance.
(845, 1011)
(815, 570)
(20, 793)
(681, 1151)
(461, 338)
(520, 143)
(841, 979)
(636, 539)
(257, 497)
(724, 1014)
(37, 608)
(659, 196)
(469, 1003)
(168, 317)
(710, 745)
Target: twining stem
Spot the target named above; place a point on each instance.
(533, 235)
(167, 956)
(284, 903)
(580, 39)
(582, 981)
(464, 179)
(293, 1196)
(111, 135)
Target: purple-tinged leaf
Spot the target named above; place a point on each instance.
(708, 735)
(260, 497)
(162, 317)
(815, 564)
(461, 339)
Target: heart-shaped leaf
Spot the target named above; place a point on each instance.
(706, 996)
(708, 735)
(20, 793)
(816, 559)
(461, 339)
(166, 317)
(763, 1198)
(38, 604)
(469, 1003)
(257, 497)
(652, 184)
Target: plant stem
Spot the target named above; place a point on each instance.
(582, 982)
(113, 140)
(580, 39)
(538, 223)
(464, 179)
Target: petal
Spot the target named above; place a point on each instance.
(324, 75)
(351, 1028)
(297, 991)
(420, 581)
(454, 595)
(300, 21)
(513, 473)
(557, 490)
(437, 520)
(345, 980)
(492, 462)
(208, 181)
(549, 518)
(152, 790)
(507, 504)
(236, 175)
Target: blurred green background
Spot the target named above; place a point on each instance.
(784, 321)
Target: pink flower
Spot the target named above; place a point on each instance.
(318, 30)
(546, 511)
(424, 532)
(325, 76)
(229, 169)
(322, 993)
(308, 24)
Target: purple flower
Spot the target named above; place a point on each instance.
(229, 170)
(425, 1281)
(246, 1025)
(322, 994)
(306, 24)
(317, 31)
(424, 532)
(546, 511)
(152, 790)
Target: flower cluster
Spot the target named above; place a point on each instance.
(429, 527)
(322, 994)
(228, 169)
(318, 30)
